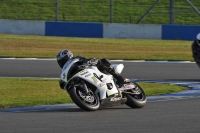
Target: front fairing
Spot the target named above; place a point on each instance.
(98, 79)
(65, 71)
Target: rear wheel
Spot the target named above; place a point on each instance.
(86, 100)
(136, 97)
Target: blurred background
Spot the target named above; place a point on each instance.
(107, 11)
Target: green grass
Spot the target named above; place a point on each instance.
(16, 92)
(124, 11)
(28, 92)
(128, 49)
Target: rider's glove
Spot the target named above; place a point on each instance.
(92, 61)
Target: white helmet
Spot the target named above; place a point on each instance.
(198, 39)
(63, 56)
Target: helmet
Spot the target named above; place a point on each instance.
(198, 39)
(63, 56)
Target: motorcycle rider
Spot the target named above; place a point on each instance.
(65, 57)
(196, 49)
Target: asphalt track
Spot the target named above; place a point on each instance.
(133, 69)
(170, 116)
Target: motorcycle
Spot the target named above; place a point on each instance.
(195, 47)
(91, 89)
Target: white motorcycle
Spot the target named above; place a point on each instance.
(91, 89)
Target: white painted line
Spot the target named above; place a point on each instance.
(164, 61)
(32, 78)
(27, 58)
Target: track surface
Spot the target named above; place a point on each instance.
(177, 116)
(136, 70)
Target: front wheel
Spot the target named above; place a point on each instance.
(87, 101)
(136, 97)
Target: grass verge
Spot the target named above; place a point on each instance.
(123, 11)
(128, 49)
(17, 92)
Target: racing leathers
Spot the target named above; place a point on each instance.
(103, 65)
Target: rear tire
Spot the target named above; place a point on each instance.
(136, 100)
(88, 102)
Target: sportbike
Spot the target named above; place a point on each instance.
(91, 89)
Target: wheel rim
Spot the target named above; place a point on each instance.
(88, 98)
(138, 93)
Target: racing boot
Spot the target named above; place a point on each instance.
(126, 85)
(120, 80)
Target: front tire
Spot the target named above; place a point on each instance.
(136, 100)
(88, 102)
